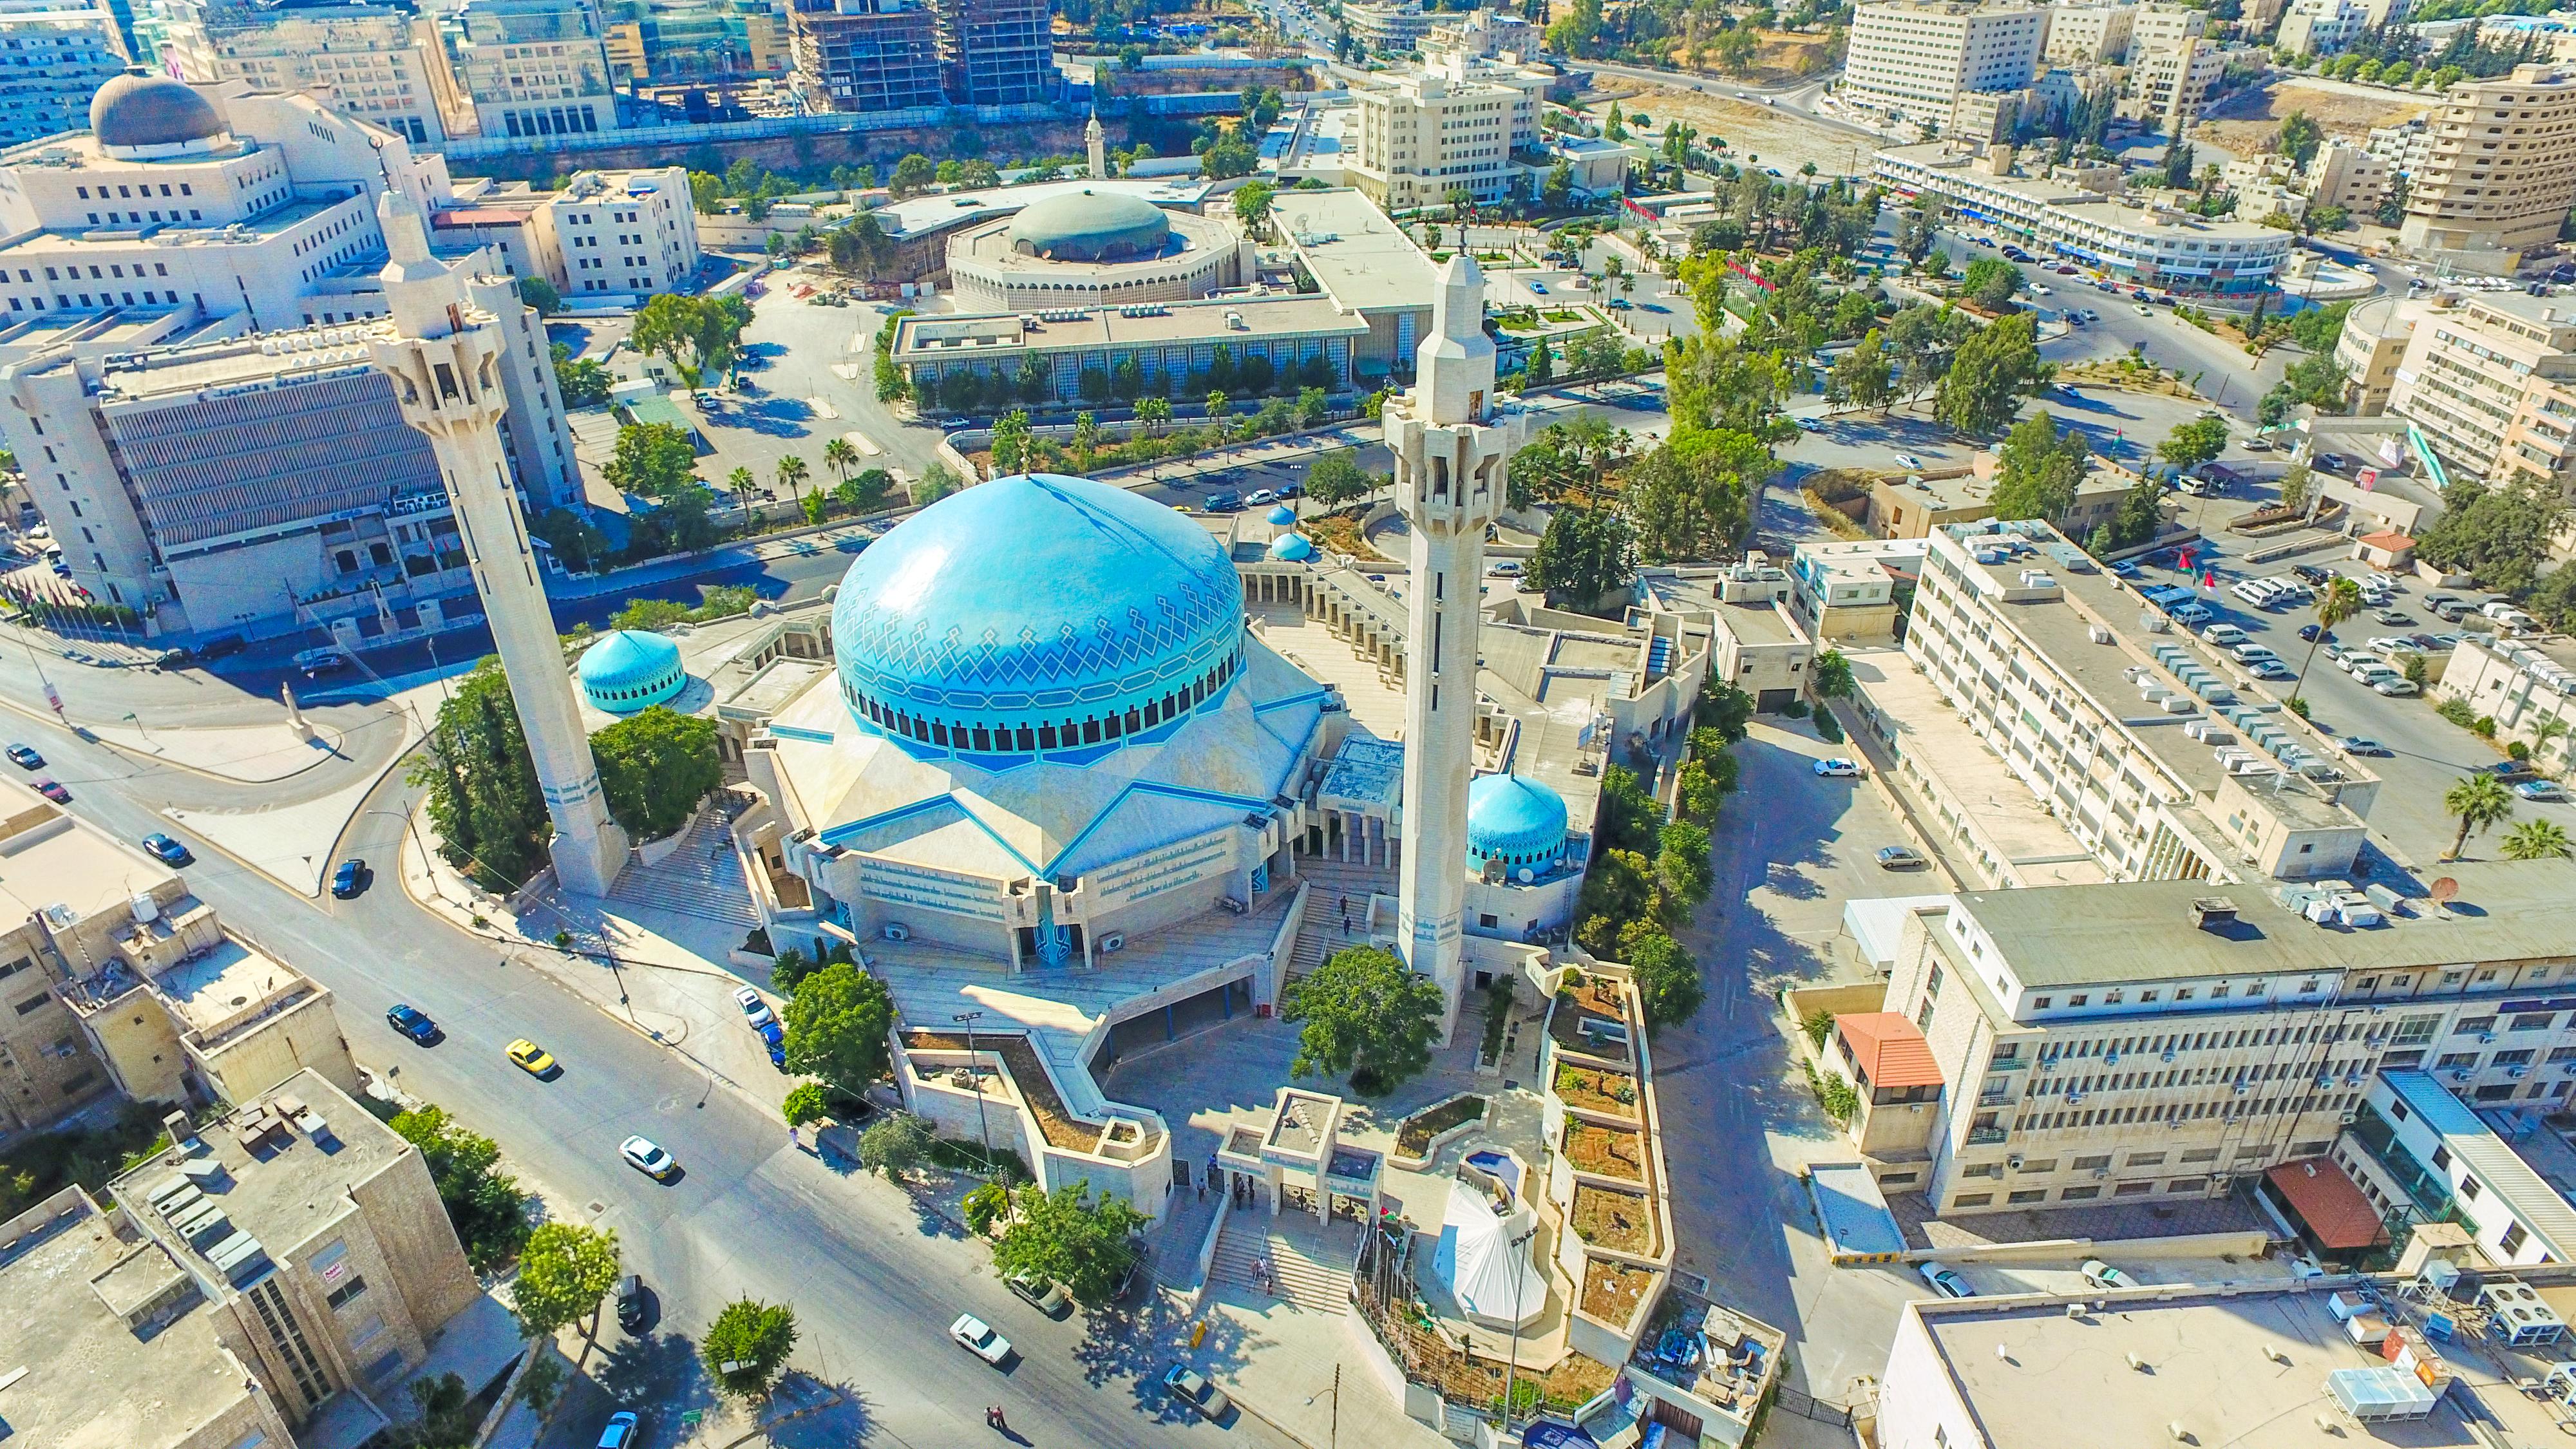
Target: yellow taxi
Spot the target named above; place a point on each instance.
(531, 1058)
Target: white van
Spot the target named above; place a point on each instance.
(2192, 613)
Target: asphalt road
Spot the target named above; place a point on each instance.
(874, 1282)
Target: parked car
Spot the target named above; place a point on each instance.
(2336, 654)
(2509, 771)
(2394, 618)
(412, 1022)
(980, 1339)
(1043, 1294)
(2310, 633)
(2250, 652)
(2362, 745)
(2226, 636)
(1223, 503)
(1900, 857)
(170, 851)
(350, 879)
(25, 758)
(647, 1157)
(2311, 574)
(634, 1309)
(775, 1039)
(1262, 497)
(1945, 1282)
(2543, 790)
(1838, 768)
(754, 1010)
(623, 1431)
(1192, 1388)
(2271, 669)
(52, 790)
(2103, 1275)
(1909, 462)
(2398, 688)
(2258, 445)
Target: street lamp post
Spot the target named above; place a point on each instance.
(1334, 1441)
(1511, 1366)
(967, 1019)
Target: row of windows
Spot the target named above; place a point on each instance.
(620, 696)
(1023, 739)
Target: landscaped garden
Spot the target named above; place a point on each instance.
(1606, 1151)
(1621, 1220)
(1413, 1139)
(1597, 1089)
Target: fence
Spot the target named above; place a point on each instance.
(1807, 1406)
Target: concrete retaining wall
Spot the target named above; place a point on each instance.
(2245, 1243)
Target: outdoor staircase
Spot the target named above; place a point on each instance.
(702, 878)
(1328, 882)
(1313, 1283)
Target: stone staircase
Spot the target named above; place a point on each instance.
(1310, 1267)
(1329, 882)
(702, 878)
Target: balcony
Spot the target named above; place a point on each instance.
(1986, 1136)
(2430, 1191)
(2007, 1064)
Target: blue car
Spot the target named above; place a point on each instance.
(412, 1022)
(170, 851)
(349, 879)
(776, 1040)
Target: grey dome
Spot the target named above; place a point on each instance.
(1086, 226)
(151, 110)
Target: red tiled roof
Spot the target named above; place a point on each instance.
(2333, 1210)
(2391, 540)
(1887, 1049)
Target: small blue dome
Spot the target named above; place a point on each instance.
(630, 670)
(1283, 516)
(1037, 613)
(1291, 548)
(1514, 820)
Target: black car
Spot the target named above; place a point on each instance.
(2311, 574)
(350, 878)
(25, 758)
(412, 1022)
(634, 1305)
(2310, 633)
(222, 647)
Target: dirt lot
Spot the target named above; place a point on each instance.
(1755, 135)
(2248, 122)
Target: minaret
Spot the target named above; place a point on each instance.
(1451, 449)
(1099, 147)
(444, 357)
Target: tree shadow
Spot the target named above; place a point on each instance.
(662, 1370)
(768, 415)
(1133, 1348)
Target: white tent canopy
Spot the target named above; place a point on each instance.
(1490, 1280)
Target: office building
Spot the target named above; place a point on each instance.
(316, 1239)
(526, 68)
(2088, 33)
(997, 52)
(2491, 382)
(866, 55)
(1078, 248)
(1353, 254)
(1845, 592)
(1914, 505)
(54, 54)
(2419, 1154)
(372, 61)
(627, 234)
(1164, 349)
(1911, 58)
(1388, 27)
(2500, 173)
(111, 1342)
(1479, 35)
(1448, 128)
(2158, 1039)
(2136, 245)
(2168, 86)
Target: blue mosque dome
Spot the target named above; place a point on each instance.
(630, 670)
(1292, 548)
(1037, 613)
(1282, 516)
(1515, 820)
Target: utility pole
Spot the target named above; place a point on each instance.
(975, 1072)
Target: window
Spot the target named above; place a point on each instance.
(29, 1006)
(2042, 1164)
(2090, 1164)
(2533, 1020)
(2035, 1194)
(2080, 1194)
(348, 1292)
(2039, 1003)
(2512, 1240)
(2079, 998)
(2470, 1024)
(1972, 1199)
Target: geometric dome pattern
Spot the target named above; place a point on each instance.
(1036, 612)
(1515, 820)
(629, 670)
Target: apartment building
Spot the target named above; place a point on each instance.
(1387, 26)
(2083, 32)
(2137, 748)
(2404, 146)
(371, 61)
(2159, 1039)
(997, 52)
(627, 233)
(1449, 128)
(1845, 592)
(1480, 35)
(1911, 58)
(2168, 85)
(2500, 173)
(866, 55)
(2162, 27)
(2343, 174)
(315, 1237)
(2320, 27)
(54, 54)
(2491, 382)
(526, 68)
(2376, 334)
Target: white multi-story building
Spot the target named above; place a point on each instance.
(527, 68)
(1911, 58)
(2088, 32)
(2168, 85)
(2321, 27)
(2161, 27)
(2500, 173)
(2343, 174)
(375, 62)
(2137, 244)
(1387, 25)
(2403, 146)
(1448, 128)
(629, 233)
(53, 55)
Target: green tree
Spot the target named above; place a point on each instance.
(1668, 983)
(1252, 205)
(748, 1343)
(1070, 1236)
(2038, 469)
(1990, 372)
(937, 482)
(540, 294)
(1585, 556)
(652, 459)
(2178, 159)
(895, 1145)
(655, 766)
(487, 814)
(806, 1102)
(1365, 1016)
(2300, 138)
(1866, 375)
(1336, 479)
(1830, 676)
(1011, 437)
(2500, 534)
(580, 546)
(2479, 803)
(1693, 495)
(1991, 283)
(2340, 601)
(564, 1273)
(840, 455)
(1681, 862)
(1726, 711)
(913, 175)
(836, 1027)
(792, 474)
(483, 1203)
(2194, 443)
(446, 1417)
(2538, 840)
(583, 382)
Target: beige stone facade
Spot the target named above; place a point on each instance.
(2501, 169)
(2492, 383)
(1448, 129)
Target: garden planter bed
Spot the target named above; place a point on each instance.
(1621, 1220)
(1606, 1151)
(1597, 1002)
(1597, 1089)
(1613, 1291)
(1434, 1127)
(1062, 1129)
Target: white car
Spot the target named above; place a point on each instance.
(1838, 769)
(1945, 1282)
(2103, 1275)
(2226, 636)
(647, 1157)
(2252, 653)
(2396, 688)
(980, 1339)
(754, 1010)
(1909, 462)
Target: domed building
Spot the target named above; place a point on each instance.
(630, 670)
(139, 116)
(1081, 248)
(1526, 867)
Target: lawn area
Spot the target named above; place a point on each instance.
(1598, 1003)
(1620, 1220)
(1606, 1151)
(1414, 1138)
(1612, 1291)
(1597, 1089)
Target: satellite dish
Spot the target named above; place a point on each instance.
(1527, 875)
(2444, 891)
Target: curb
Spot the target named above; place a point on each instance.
(93, 737)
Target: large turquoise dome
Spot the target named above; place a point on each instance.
(1037, 613)
(629, 671)
(1515, 820)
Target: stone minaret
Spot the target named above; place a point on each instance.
(1099, 147)
(1451, 448)
(444, 357)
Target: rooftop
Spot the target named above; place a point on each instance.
(2094, 206)
(184, 371)
(222, 989)
(48, 858)
(1888, 1049)
(106, 1343)
(929, 338)
(924, 215)
(1758, 624)
(1360, 258)
(123, 240)
(2244, 1365)
(2529, 1195)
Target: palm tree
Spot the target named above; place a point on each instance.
(1154, 413)
(792, 472)
(2552, 728)
(840, 455)
(2477, 802)
(2340, 601)
(741, 481)
(2538, 840)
